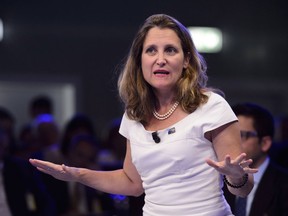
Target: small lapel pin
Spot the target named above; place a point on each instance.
(171, 130)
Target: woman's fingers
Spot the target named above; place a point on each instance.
(250, 170)
(61, 172)
(236, 167)
(40, 163)
(46, 167)
(240, 158)
(227, 160)
(245, 163)
(212, 163)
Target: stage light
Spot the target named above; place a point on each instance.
(207, 39)
(1, 30)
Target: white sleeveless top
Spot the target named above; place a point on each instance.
(176, 178)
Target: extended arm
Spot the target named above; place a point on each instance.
(124, 181)
(232, 161)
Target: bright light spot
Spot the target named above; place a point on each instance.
(206, 39)
(1, 30)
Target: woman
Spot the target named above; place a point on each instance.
(181, 137)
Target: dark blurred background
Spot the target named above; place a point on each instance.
(82, 44)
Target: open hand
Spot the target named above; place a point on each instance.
(236, 168)
(61, 172)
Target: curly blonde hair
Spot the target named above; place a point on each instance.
(138, 95)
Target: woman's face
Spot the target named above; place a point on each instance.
(162, 59)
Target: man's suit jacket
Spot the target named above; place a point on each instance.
(271, 196)
(21, 183)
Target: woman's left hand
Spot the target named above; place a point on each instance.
(235, 168)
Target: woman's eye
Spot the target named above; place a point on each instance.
(151, 51)
(171, 50)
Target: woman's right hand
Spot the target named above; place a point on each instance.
(61, 172)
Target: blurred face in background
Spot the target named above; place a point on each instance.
(251, 143)
(83, 154)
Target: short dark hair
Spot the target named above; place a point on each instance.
(263, 120)
(40, 105)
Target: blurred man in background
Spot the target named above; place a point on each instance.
(269, 196)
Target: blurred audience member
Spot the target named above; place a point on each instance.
(47, 139)
(80, 127)
(83, 151)
(113, 151)
(27, 142)
(7, 123)
(47, 136)
(39, 105)
(111, 157)
(280, 150)
(21, 189)
(79, 124)
(270, 193)
(60, 145)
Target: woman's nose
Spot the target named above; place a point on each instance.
(161, 60)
